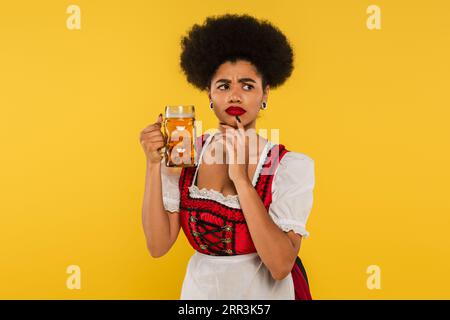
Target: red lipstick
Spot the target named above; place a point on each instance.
(235, 111)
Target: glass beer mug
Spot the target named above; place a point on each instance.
(179, 135)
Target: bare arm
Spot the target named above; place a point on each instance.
(161, 227)
(277, 249)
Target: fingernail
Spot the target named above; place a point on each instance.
(237, 117)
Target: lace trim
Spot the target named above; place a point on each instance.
(171, 205)
(211, 194)
(297, 228)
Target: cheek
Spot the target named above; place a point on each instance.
(255, 103)
(218, 97)
(255, 111)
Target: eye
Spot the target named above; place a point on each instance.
(250, 87)
(225, 84)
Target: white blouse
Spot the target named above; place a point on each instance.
(216, 277)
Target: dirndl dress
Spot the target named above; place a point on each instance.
(225, 264)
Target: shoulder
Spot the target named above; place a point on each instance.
(294, 169)
(295, 160)
(292, 192)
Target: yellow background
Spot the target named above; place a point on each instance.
(371, 107)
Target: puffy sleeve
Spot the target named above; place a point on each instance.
(170, 191)
(292, 192)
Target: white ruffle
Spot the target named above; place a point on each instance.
(171, 205)
(292, 192)
(171, 195)
(211, 194)
(287, 225)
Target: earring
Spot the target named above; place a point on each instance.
(211, 104)
(263, 105)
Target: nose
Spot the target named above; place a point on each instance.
(234, 95)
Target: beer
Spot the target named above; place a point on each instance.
(180, 134)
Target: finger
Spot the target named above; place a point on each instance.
(239, 123)
(154, 133)
(157, 142)
(229, 150)
(148, 128)
(233, 147)
(152, 127)
(240, 128)
(238, 149)
(152, 144)
(239, 146)
(227, 127)
(239, 141)
(151, 136)
(229, 130)
(229, 134)
(155, 125)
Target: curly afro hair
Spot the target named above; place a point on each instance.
(231, 37)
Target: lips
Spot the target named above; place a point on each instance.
(235, 111)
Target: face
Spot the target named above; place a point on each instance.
(237, 84)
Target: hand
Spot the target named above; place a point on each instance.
(152, 140)
(236, 146)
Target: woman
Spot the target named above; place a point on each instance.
(245, 219)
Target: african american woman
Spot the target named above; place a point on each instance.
(244, 219)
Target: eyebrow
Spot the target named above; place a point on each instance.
(240, 80)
